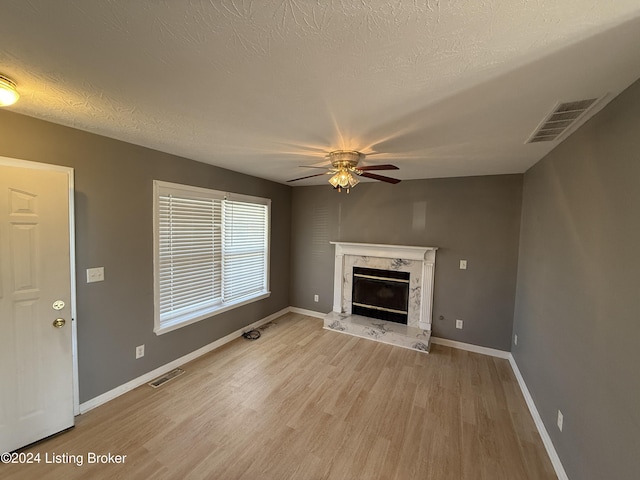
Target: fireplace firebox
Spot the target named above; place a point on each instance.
(382, 294)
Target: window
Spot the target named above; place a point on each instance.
(211, 253)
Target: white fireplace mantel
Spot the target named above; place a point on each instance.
(419, 261)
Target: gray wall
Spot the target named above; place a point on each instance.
(114, 230)
(578, 295)
(472, 218)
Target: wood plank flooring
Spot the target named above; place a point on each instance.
(306, 403)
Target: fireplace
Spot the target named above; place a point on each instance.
(419, 262)
(382, 294)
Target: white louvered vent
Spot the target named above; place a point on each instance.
(561, 119)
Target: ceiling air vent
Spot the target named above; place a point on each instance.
(561, 119)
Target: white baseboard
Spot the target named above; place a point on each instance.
(470, 347)
(308, 313)
(147, 377)
(546, 439)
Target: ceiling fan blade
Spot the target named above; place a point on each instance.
(309, 176)
(313, 166)
(378, 167)
(380, 177)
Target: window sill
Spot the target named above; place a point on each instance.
(198, 316)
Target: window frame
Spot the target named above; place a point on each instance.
(178, 321)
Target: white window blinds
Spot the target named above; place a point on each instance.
(245, 249)
(211, 252)
(190, 254)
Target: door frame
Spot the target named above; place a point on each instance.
(14, 162)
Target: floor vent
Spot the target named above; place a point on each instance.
(165, 378)
(561, 119)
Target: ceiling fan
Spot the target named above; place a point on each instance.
(344, 164)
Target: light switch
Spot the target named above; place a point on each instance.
(463, 264)
(95, 274)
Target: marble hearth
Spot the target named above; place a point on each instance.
(419, 262)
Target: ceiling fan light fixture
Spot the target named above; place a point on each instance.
(344, 170)
(8, 93)
(343, 179)
(344, 163)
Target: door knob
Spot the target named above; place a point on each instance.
(59, 322)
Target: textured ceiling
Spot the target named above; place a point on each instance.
(440, 88)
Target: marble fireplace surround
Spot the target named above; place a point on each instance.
(418, 261)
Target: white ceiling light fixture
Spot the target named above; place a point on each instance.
(8, 93)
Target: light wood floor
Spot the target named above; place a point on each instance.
(305, 403)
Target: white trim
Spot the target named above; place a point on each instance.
(471, 348)
(308, 313)
(427, 283)
(74, 316)
(419, 315)
(546, 439)
(179, 320)
(385, 251)
(14, 162)
(170, 327)
(337, 281)
(147, 377)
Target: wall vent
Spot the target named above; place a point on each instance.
(561, 119)
(165, 378)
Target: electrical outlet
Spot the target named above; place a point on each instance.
(515, 339)
(463, 264)
(316, 298)
(95, 274)
(560, 420)
(139, 351)
(459, 324)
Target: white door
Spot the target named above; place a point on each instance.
(36, 361)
